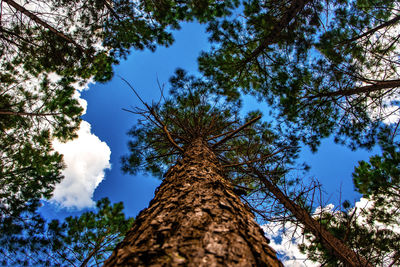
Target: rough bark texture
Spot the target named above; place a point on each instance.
(195, 219)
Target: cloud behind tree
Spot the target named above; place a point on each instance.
(86, 159)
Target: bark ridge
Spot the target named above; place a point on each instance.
(195, 219)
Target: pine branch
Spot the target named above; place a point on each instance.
(111, 9)
(5, 112)
(254, 160)
(42, 23)
(360, 90)
(373, 30)
(152, 112)
(396, 258)
(95, 249)
(346, 235)
(229, 135)
(293, 11)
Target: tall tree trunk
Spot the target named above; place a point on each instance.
(195, 219)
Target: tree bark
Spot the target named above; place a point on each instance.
(334, 245)
(195, 219)
(389, 84)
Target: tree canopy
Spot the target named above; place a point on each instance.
(47, 50)
(329, 67)
(191, 111)
(325, 68)
(255, 156)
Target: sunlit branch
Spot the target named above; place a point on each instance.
(359, 90)
(373, 30)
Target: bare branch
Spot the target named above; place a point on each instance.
(359, 90)
(151, 110)
(134, 91)
(232, 133)
(4, 112)
(254, 160)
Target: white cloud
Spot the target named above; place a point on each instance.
(285, 244)
(86, 159)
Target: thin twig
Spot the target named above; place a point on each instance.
(151, 110)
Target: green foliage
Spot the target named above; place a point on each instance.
(47, 48)
(29, 167)
(381, 174)
(78, 35)
(193, 111)
(86, 240)
(378, 180)
(309, 62)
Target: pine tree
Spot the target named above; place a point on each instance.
(86, 240)
(195, 217)
(361, 228)
(370, 227)
(84, 38)
(330, 68)
(29, 121)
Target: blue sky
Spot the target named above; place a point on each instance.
(332, 164)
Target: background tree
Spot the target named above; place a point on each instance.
(29, 167)
(329, 67)
(371, 226)
(86, 240)
(360, 228)
(83, 39)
